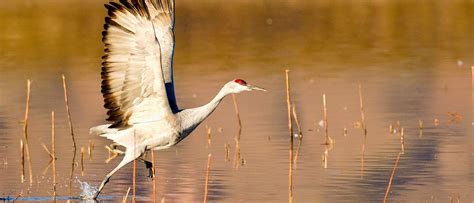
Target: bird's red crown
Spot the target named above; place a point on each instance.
(240, 82)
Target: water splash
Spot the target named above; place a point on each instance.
(87, 191)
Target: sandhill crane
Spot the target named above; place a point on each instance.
(137, 81)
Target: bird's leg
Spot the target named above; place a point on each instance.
(149, 166)
(129, 156)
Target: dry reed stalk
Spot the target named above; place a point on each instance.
(420, 128)
(209, 135)
(402, 140)
(362, 115)
(325, 157)
(290, 129)
(288, 102)
(295, 160)
(398, 127)
(457, 196)
(47, 150)
(153, 175)
(73, 165)
(237, 152)
(295, 116)
(90, 148)
(66, 101)
(237, 156)
(25, 130)
(300, 135)
(82, 161)
(124, 199)
(53, 152)
(227, 152)
(362, 159)
(17, 196)
(325, 120)
(134, 180)
(22, 148)
(391, 179)
(236, 108)
(207, 177)
(45, 170)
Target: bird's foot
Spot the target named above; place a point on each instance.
(112, 149)
(151, 170)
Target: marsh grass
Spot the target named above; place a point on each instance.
(362, 114)
(236, 108)
(402, 140)
(420, 128)
(124, 199)
(25, 131)
(396, 129)
(237, 155)
(206, 185)
(69, 120)
(134, 179)
(227, 152)
(328, 139)
(22, 149)
(82, 161)
(53, 152)
(290, 129)
(300, 135)
(387, 191)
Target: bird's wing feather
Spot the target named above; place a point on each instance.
(164, 23)
(132, 74)
(162, 16)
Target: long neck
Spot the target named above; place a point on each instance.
(191, 118)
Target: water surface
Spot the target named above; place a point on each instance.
(412, 60)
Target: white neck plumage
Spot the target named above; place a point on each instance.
(191, 118)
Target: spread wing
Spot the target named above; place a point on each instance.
(165, 32)
(137, 37)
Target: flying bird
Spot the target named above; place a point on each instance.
(138, 85)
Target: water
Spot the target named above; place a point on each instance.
(87, 191)
(412, 60)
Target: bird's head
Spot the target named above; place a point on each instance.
(239, 85)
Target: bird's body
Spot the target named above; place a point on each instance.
(159, 133)
(138, 85)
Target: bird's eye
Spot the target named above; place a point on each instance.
(241, 82)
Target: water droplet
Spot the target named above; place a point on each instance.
(87, 191)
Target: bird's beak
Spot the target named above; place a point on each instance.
(252, 87)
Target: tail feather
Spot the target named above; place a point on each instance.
(101, 130)
(121, 137)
